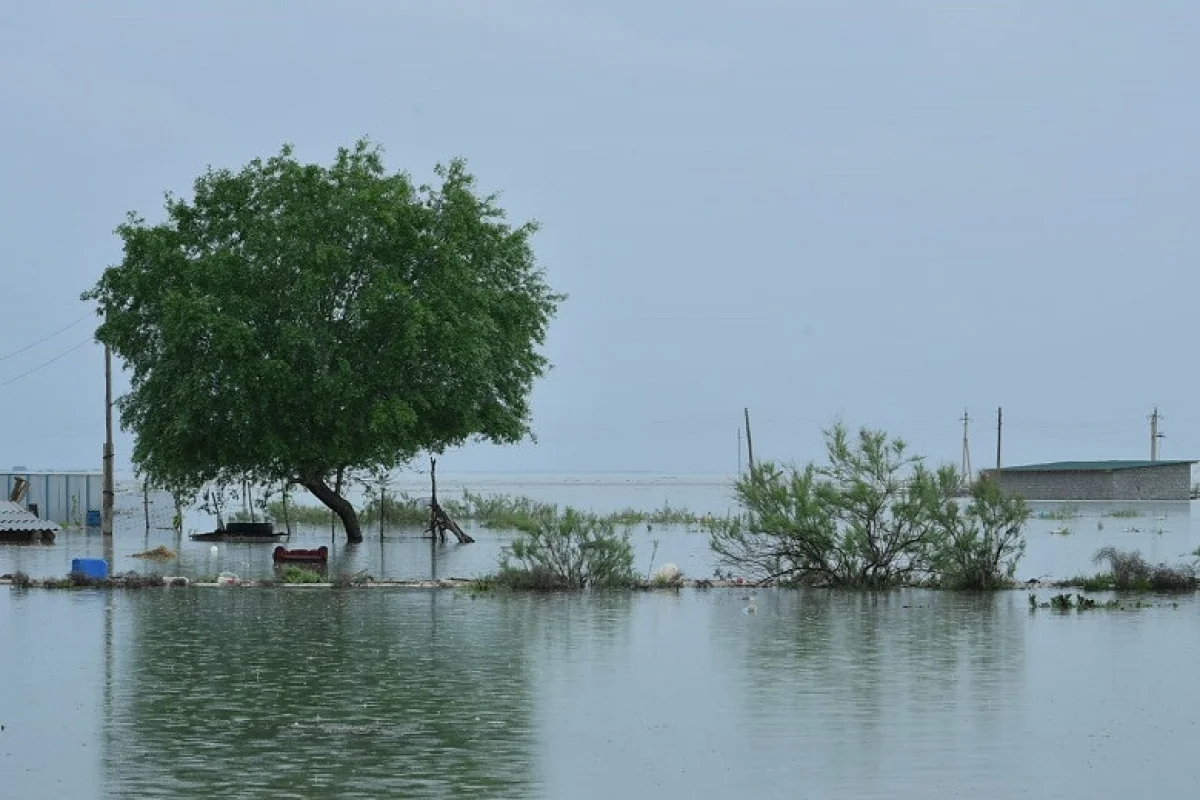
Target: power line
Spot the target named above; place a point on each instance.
(44, 338)
(58, 357)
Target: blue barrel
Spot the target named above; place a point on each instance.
(93, 519)
(91, 567)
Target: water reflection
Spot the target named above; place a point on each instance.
(300, 692)
(376, 693)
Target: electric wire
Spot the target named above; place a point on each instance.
(44, 364)
(46, 338)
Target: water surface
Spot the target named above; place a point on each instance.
(370, 693)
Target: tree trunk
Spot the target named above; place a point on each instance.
(338, 505)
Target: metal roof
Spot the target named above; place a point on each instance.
(14, 518)
(1092, 466)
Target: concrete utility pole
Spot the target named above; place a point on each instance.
(966, 453)
(1154, 434)
(999, 436)
(106, 513)
(749, 443)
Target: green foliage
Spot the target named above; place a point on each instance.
(984, 542)
(572, 550)
(875, 517)
(294, 574)
(498, 512)
(1130, 572)
(503, 511)
(1061, 602)
(1063, 512)
(1124, 513)
(1100, 582)
(293, 321)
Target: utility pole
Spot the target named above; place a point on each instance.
(966, 453)
(749, 443)
(1154, 433)
(106, 514)
(999, 437)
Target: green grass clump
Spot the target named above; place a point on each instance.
(1063, 512)
(1100, 582)
(294, 574)
(1124, 513)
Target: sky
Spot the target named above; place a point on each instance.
(878, 212)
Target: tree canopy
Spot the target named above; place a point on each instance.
(293, 321)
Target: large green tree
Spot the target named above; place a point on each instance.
(293, 322)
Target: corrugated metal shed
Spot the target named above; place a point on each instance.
(15, 519)
(65, 497)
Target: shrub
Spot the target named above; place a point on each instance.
(668, 576)
(573, 550)
(21, 581)
(875, 517)
(1131, 572)
(1181, 578)
(294, 574)
(1128, 569)
(984, 543)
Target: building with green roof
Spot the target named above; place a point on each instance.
(1099, 480)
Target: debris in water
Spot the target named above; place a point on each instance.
(159, 553)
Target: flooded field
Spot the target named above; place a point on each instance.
(297, 692)
(1060, 545)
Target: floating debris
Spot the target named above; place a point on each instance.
(159, 553)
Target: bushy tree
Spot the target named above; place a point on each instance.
(984, 541)
(294, 322)
(874, 516)
(571, 550)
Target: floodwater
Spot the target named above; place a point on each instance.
(1162, 532)
(304, 692)
(296, 692)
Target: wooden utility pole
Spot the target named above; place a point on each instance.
(966, 453)
(106, 513)
(749, 443)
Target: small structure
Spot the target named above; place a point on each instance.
(21, 526)
(1099, 480)
(68, 498)
(241, 532)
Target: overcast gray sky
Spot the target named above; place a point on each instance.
(883, 211)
